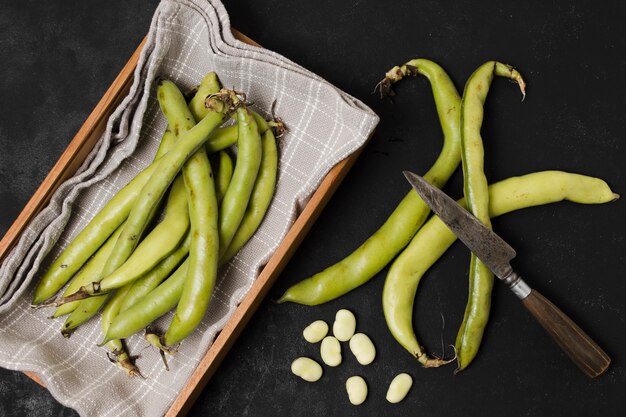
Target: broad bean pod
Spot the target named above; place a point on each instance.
(152, 279)
(380, 248)
(93, 268)
(260, 199)
(203, 247)
(235, 202)
(223, 174)
(149, 308)
(97, 231)
(475, 188)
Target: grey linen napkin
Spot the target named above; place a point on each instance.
(187, 39)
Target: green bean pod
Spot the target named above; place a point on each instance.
(434, 238)
(475, 188)
(152, 279)
(110, 311)
(209, 85)
(223, 174)
(149, 308)
(203, 255)
(235, 202)
(203, 247)
(92, 269)
(83, 312)
(157, 245)
(377, 251)
(221, 139)
(97, 231)
(224, 137)
(260, 198)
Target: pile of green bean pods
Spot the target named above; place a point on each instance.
(416, 244)
(212, 205)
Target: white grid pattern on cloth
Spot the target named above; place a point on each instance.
(186, 40)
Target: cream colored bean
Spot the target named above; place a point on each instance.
(307, 369)
(330, 350)
(357, 390)
(399, 388)
(315, 331)
(344, 325)
(362, 348)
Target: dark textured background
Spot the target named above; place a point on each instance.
(59, 57)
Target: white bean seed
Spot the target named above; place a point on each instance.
(315, 331)
(357, 390)
(344, 325)
(307, 369)
(362, 348)
(399, 388)
(330, 350)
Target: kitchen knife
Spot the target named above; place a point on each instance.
(496, 254)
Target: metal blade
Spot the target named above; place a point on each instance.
(490, 248)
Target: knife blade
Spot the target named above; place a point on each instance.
(496, 254)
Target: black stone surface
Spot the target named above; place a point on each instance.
(59, 57)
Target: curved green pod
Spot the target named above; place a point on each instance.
(380, 248)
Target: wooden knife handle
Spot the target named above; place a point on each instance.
(585, 353)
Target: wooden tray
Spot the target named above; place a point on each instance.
(70, 161)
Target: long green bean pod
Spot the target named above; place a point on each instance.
(121, 358)
(223, 174)
(475, 188)
(157, 245)
(152, 279)
(233, 206)
(149, 308)
(434, 238)
(203, 247)
(377, 251)
(97, 231)
(209, 85)
(92, 269)
(260, 198)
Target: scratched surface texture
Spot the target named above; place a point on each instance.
(59, 57)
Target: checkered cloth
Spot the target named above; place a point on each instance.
(187, 39)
